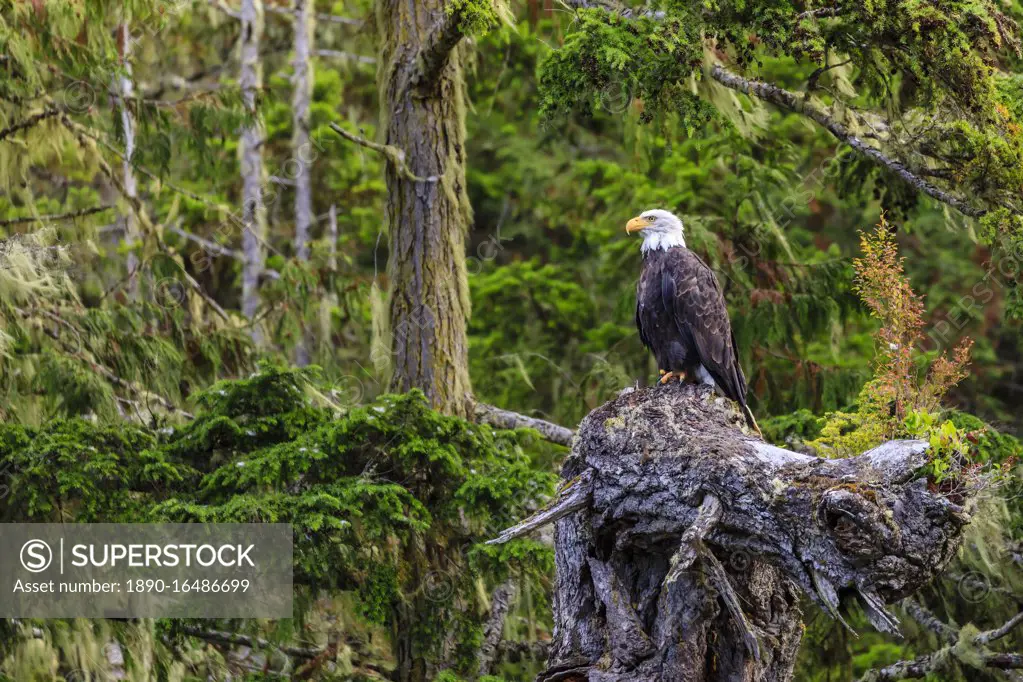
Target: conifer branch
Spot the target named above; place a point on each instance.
(338, 54)
(326, 18)
(75, 351)
(393, 154)
(55, 217)
(315, 657)
(361, 670)
(205, 201)
(802, 105)
(29, 122)
(819, 12)
(211, 246)
(218, 249)
(616, 8)
(89, 144)
(287, 12)
(310, 668)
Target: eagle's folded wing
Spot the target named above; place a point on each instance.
(700, 312)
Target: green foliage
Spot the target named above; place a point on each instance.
(948, 445)
(895, 402)
(578, 122)
(390, 501)
(917, 68)
(608, 55)
(475, 16)
(448, 676)
(797, 427)
(990, 446)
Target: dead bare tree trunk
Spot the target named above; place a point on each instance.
(301, 100)
(301, 149)
(125, 90)
(682, 544)
(493, 629)
(251, 160)
(423, 105)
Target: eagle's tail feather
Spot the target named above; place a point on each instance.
(746, 412)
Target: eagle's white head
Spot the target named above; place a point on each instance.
(660, 229)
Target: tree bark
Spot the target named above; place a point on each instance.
(301, 149)
(423, 102)
(126, 90)
(251, 159)
(332, 238)
(301, 98)
(682, 544)
(493, 629)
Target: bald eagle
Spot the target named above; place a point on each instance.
(681, 312)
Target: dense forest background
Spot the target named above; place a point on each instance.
(199, 254)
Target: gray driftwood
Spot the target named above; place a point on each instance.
(683, 544)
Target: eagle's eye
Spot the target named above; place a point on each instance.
(651, 218)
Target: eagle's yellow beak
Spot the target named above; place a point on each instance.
(636, 224)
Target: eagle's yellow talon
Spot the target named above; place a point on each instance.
(666, 377)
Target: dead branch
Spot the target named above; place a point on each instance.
(393, 154)
(234, 638)
(506, 419)
(493, 629)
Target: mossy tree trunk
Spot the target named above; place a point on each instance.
(422, 104)
(423, 101)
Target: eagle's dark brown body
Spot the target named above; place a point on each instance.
(682, 318)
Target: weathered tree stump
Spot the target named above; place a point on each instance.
(683, 544)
